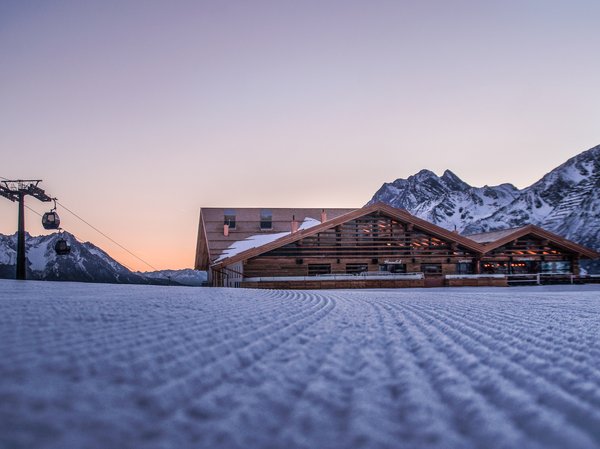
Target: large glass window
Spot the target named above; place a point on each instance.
(266, 219)
(559, 266)
(229, 218)
(315, 269)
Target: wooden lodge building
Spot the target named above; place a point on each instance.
(375, 246)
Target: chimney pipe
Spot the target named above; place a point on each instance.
(294, 224)
(323, 216)
(225, 229)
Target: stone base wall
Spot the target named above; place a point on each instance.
(478, 282)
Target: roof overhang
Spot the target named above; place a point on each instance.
(542, 233)
(392, 212)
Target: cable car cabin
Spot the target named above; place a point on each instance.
(62, 247)
(51, 220)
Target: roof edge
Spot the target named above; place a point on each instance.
(541, 232)
(394, 212)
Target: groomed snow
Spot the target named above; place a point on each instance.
(115, 366)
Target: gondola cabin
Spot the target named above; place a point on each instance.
(51, 220)
(62, 247)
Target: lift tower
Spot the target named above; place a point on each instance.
(17, 190)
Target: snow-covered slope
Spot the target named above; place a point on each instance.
(85, 263)
(565, 201)
(118, 366)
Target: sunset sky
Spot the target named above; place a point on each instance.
(137, 113)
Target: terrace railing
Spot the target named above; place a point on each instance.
(373, 275)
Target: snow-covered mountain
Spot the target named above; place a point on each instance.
(446, 201)
(565, 201)
(188, 276)
(85, 263)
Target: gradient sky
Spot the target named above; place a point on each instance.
(136, 114)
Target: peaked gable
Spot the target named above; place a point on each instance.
(397, 214)
(541, 234)
(246, 222)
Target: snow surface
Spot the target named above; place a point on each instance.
(257, 240)
(121, 366)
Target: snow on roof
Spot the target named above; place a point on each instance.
(257, 240)
(492, 236)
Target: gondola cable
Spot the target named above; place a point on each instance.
(106, 236)
(95, 229)
(66, 230)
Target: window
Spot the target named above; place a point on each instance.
(356, 268)
(393, 267)
(266, 219)
(464, 268)
(431, 268)
(229, 218)
(503, 267)
(316, 269)
(560, 266)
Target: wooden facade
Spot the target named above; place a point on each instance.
(247, 222)
(374, 247)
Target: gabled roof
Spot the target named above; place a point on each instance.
(213, 242)
(392, 212)
(491, 236)
(543, 234)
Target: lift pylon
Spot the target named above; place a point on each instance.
(17, 190)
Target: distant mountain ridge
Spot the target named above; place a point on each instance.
(85, 263)
(565, 201)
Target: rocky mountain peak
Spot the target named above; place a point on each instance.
(85, 263)
(565, 201)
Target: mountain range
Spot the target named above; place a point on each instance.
(85, 263)
(565, 201)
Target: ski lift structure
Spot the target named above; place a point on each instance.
(16, 190)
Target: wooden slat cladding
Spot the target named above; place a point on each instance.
(528, 245)
(211, 239)
(202, 261)
(371, 236)
(381, 238)
(557, 241)
(380, 210)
